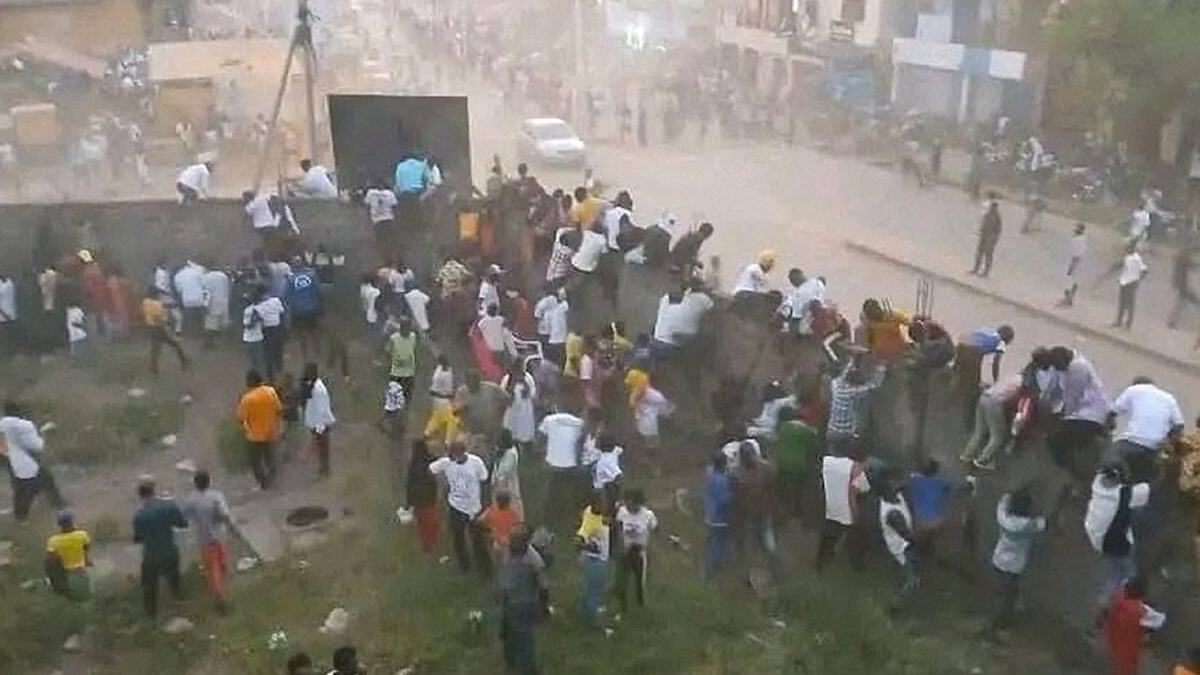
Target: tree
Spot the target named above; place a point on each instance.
(1136, 60)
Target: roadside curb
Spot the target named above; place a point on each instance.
(1040, 312)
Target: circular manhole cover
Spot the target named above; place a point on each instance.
(306, 515)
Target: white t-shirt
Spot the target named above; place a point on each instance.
(418, 307)
(558, 322)
(612, 224)
(1150, 413)
(1132, 269)
(48, 283)
(896, 544)
(317, 183)
(562, 431)
(487, 296)
(666, 324)
(8, 301)
(216, 292)
(607, 468)
(844, 480)
(259, 210)
(368, 294)
(251, 328)
(636, 527)
(190, 286)
(691, 312)
(463, 489)
(492, 330)
(23, 441)
(752, 279)
(591, 247)
(1139, 222)
(441, 384)
(271, 310)
(587, 367)
(1102, 507)
(380, 204)
(1078, 245)
(75, 332)
(195, 177)
(541, 312)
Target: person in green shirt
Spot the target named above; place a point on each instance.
(402, 349)
(797, 447)
(154, 528)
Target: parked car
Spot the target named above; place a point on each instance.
(549, 140)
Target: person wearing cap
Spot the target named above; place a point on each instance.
(67, 559)
(752, 285)
(192, 183)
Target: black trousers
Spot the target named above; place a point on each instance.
(159, 336)
(1068, 438)
(273, 349)
(321, 441)
(832, 534)
(985, 250)
(152, 570)
(632, 566)
(25, 489)
(462, 526)
(262, 462)
(1126, 303)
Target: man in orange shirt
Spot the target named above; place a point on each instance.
(1192, 667)
(259, 411)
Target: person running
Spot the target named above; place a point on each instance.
(154, 313)
(208, 514)
(154, 528)
(1017, 528)
(318, 414)
(259, 411)
(402, 354)
(24, 447)
(593, 540)
(464, 475)
(1108, 524)
(421, 495)
(844, 478)
(1078, 247)
(637, 522)
(68, 559)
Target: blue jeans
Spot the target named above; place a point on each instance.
(1121, 568)
(716, 549)
(595, 579)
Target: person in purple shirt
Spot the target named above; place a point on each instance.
(1084, 407)
(928, 495)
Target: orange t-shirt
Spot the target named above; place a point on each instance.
(500, 522)
(1183, 670)
(259, 412)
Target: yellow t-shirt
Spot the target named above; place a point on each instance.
(583, 213)
(637, 382)
(589, 523)
(153, 312)
(574, 350)
(70, 547)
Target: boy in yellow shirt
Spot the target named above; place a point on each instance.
(67, 559)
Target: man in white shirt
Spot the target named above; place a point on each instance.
(1133, 268)
(258, 208)
(1152, 417)
(636, 522)
(381, 208)
(464, 475)
(564, 446)
(192, 183)
(418, 308)
(621, 207)
(270, 311)
(556, 339)
(541, 314)
(8, 315)
(795, 305)
(1139, 223)
(666, 324)
(216, 286)
(189, 287)
(316, 182)
(1108, 524)
(22, 446)
(491, 328)
(751, 285)
(845, 480)
(696, 304)
(591, 247)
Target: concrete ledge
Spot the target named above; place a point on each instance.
(1041, 312)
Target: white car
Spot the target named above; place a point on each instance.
(549, 140)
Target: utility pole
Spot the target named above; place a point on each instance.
(301, 39)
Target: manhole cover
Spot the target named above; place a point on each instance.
(306, 515)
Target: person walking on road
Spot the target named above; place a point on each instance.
(1078, 248)
(208, 514)
(989, 236)
(1133, 268)
(1181, 272)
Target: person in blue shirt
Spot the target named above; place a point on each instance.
(412, 175)
(718, 495)
(303, 300)
(968, 363)
(928, 494)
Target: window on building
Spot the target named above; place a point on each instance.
(854, 10)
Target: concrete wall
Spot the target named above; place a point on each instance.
(135, 234)
(96, 27)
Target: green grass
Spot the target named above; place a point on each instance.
(110, 433)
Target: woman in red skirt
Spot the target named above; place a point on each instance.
(422, 495)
